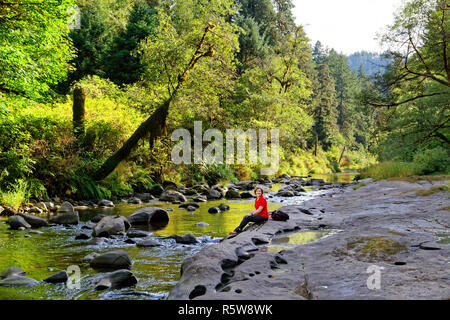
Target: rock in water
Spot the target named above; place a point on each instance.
(224, 207)
(66, 215)
(172, 195)
(15, 222)
(106, 203)
(111, 225)
(148, 243)
(233, 194)
(187, 238)
(58, 277)
(148, 215)
(17, 281)
(117, 279)
(117, 259)
(214, 210)
(13, 271)
(35, 222)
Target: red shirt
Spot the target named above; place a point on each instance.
(262, 202)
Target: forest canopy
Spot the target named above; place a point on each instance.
(135, 70)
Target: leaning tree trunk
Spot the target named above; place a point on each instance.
(154, 126)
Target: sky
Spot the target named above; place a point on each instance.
(347, 26)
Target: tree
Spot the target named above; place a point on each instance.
(191, 38)
(121, 64)
(325, 112)
(34, 47)
(416, 88)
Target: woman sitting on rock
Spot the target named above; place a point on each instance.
(259, 215)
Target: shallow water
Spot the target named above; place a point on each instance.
(157, 269)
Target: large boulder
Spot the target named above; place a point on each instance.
(35, 222)
(117, 259)
(247, 195)
(169, 185)
(117, 279)
(66, 215)
(110, 225)
(134, 200)
(148, 215)
(171, 196)
(214, 210)
(15, 222)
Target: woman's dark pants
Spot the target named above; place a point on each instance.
(253, 218)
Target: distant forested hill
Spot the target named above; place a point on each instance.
(371, 62)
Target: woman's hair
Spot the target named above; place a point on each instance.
(262, 191)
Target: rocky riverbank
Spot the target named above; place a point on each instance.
(392, 243)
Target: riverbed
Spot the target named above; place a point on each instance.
(157, 269)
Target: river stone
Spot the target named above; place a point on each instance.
(17, 281)
(148, 215)
(138, 234)
(65, 215)
(66, 218)
(189, 204)
(117, 259)
(286, 194)
(214, 195)
(90, 257)
(148, 243)
(13, 271)
(247, 195)
(106, 203)
(35, 222)
(42, 205)
(214, 210)
(187, 238)
(224, 207)
(232, 194)
(200, 198)
(111, 225)
(172, 195)
(134, 200)
(7, 212)
(191, 208)
(36, 210)
(82, 236)
(58, 277)
(117, 279)
(15, 222)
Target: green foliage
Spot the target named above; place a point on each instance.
(141, 180)
(432, 160)
(16, 195)
(388, 169)
(83, 187)
(35, 48)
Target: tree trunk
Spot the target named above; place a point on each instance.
(340, 158)
(78, 110)
(153, 127)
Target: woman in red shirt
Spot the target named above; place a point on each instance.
(259, 215)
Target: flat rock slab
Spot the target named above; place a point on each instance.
(386, 229)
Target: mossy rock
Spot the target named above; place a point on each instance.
(376, 248)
